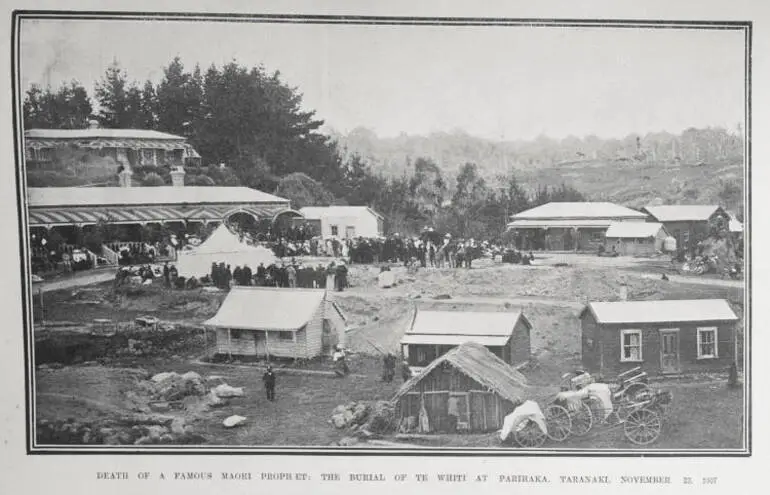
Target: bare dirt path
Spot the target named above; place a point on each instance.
(716, 282)
(79, 280)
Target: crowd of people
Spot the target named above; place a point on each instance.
(294, 274)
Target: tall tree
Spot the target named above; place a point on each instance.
(112, 94)
(179, 99)
(68, 108)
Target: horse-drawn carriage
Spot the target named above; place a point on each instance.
(584, 403)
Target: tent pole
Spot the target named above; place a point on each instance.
(229, 344)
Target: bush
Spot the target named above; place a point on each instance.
(153, 180)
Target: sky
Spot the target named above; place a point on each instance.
(500, 83)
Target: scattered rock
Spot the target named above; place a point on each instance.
(347, 441)
(178, 426)
(213, 400)
(162, 377)
(233, 421)
(225, 391)
(160, 406)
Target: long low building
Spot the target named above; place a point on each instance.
(67, 207)
(569, 226)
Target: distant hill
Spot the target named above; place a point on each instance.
(696, 166)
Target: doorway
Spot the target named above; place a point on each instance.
(669, 350)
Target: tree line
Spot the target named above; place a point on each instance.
(250, 129)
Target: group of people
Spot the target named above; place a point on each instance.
(291, 275)
(389, 368)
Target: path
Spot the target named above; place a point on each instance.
(470, 299)
(76, 280)
(681, 279)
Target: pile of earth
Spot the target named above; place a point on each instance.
(149, 430)
(364, 419)
(189, 391)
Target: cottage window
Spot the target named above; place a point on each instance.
(707, 342)
(630, 345)
(147, 157)
(285, 335)
(422, 356)
(235, 334)
(335, 230)
(597, 237)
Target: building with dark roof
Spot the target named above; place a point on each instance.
(688, 223)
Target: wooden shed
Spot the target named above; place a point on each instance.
(433, 333)
(274, 322)
(486, 390)
(635, 238)
(672, 336)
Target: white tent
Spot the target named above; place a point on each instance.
(222, 246)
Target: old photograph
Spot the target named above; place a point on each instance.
(369, 235)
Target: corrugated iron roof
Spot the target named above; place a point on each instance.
(633, 230)
(666, 311)
(262, 308)
(465, 323)
(136, 196)
(475, 361)
(316, 212)
(453, 340)
(682, 213)
(582, 210)
(99, 134)
(559, 224)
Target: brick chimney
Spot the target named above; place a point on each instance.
(177, 177)
(124, 178)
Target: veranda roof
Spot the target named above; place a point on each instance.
(633, 230)
(578, 210)
(478, 363)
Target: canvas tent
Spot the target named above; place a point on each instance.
(222, 246)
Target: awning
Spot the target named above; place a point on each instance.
(46, 217)
(108, 143)
(484, 340)
(558, 224)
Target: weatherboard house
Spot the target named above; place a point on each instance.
(637, 238)
(568, 226)
(433, 333)
(687, 223)
(272, 322)
(344, 222)
(669, 336)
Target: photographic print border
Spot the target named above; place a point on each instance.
(20, 167)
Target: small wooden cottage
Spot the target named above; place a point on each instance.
(687, 223)
(635, 238)
(671, 336)
(485, 390)
(434, 333)
(272, 322)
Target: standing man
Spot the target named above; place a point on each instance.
(269, 380)
(166, 275)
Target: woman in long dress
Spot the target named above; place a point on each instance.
(331, 272)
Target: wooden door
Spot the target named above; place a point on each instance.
(669, 351)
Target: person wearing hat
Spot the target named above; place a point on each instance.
(341, 276)
(269, 380)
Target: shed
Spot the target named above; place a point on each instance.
(345, 222)
(669, 336)
(687, 223)
(635, 238)
(484, 388)
(274, 322)
(433, 333)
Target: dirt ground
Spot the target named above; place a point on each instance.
(550, 296)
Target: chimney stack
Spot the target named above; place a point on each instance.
(124, 178)
(177, 177)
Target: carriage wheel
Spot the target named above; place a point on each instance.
(558, 423)
(582, 420)
(530, 436)
(642, 426)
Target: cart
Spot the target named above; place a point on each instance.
(637, 408)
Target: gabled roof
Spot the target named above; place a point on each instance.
(682, 213)
(582, 210)
(475, 361)
(99, 134)
(633, 230)
(667, 311)
(316, 212)
(135, 196)
(265, 308)
(468, 324)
